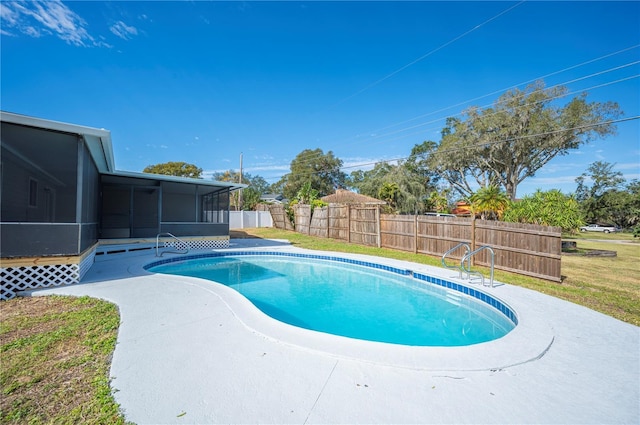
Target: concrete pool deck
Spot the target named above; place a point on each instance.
(193, 352)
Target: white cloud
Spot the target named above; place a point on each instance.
(364, 164)
(552, 180)
(154, 146)
(263, 157)
(123, 30)
(628, 166)
(276, 167)
(33, 32)
(9, 15)
(38, 18)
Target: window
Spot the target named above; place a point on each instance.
(215, 207)
(33, 193)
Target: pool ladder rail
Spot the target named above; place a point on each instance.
(179, 242)
(465, 262)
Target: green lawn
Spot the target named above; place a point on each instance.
(617, 236)
(56, 353)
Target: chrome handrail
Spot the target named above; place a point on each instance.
(468, 270)
(460, 268)
(170, 252)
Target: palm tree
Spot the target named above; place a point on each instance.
(437, 201)
(307, 194)
(490, 202)
(388, 192)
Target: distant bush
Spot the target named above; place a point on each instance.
(551, 208)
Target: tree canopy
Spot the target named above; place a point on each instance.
(257, 183)
(525, 129)
(490, 202)
(606, 198)
(250, 195)
(405, 186)
(180, 169)
(321, 170)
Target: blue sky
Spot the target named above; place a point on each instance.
(204, 82)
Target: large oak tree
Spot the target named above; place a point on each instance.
(525, 129)
(314, 166)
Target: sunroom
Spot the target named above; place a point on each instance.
(63, 202)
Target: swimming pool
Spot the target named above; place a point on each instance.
(351, 298)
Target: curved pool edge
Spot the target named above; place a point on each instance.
(528, 341)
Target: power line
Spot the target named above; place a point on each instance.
(312, 156)
(386, 77)
(496, 142)
(514, 86)
(495, 92)
(535, 91)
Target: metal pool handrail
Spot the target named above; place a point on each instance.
(171, 252)
(468, 270)
(460, 268)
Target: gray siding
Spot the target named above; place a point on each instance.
(39, 239)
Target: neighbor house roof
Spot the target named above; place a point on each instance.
(271, 197)
(343, 196)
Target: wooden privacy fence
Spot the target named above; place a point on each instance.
(520, 248)
(280, 218)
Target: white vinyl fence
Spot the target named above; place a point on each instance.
(248, 219)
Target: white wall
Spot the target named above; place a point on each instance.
(248, 219)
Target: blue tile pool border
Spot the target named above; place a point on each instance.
(444, 283)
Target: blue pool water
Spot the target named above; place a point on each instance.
(351, 300)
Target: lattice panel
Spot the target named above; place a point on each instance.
(16, 279)
(199, 244)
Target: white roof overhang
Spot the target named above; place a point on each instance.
(213, 184)
(98, 140)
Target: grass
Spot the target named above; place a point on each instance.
(618, 236)
(610, 285)
(56, 353)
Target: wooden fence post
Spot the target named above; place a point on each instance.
(379, 238)
(473, 238)
(349, 223)
(415, 234)
(328, 218)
